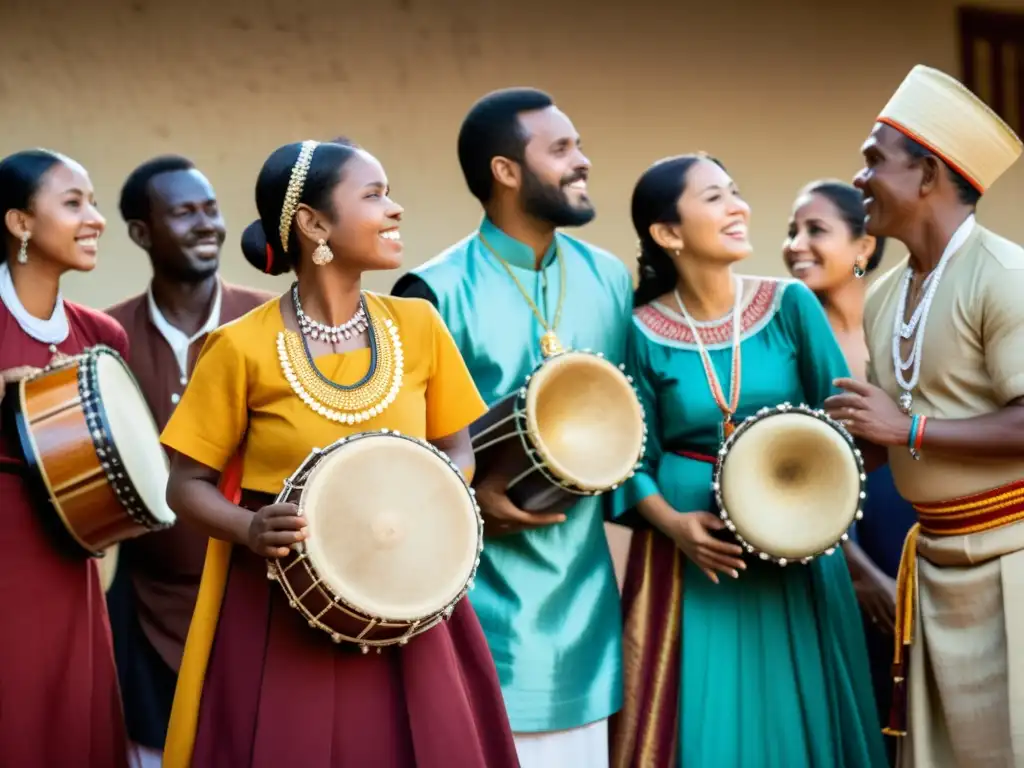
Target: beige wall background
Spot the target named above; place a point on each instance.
(783, 92)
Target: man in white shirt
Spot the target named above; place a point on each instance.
(172, 214)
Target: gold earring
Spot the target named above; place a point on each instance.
(323, 254)
(23, 251)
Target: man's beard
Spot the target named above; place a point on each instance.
(549, 203)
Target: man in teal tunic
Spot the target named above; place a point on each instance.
(546, 592)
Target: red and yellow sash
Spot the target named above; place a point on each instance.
(980, 512)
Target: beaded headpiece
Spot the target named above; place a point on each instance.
(294, 192)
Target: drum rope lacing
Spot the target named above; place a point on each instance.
(729, 408)
(549, 343)
(355, 403)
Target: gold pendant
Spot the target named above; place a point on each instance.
(550, 345)
(728, 428)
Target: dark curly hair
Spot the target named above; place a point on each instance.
(655, 201)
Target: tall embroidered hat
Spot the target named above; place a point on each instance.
(941, 114)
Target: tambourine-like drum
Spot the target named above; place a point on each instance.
(88, 435)
(575, 428)
(789, 484)
(394, 539)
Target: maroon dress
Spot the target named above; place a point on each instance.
(59, 698)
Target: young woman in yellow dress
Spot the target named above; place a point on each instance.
(258, 686)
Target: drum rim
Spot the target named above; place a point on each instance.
(757, 417)
(152, 522)
(85, 364)
(277, 569)
(526, 425)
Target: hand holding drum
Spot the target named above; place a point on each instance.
(501, 516)
(275, 528)
(693, 533)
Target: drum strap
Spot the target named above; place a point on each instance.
(962, 516)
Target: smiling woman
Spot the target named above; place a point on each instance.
(323, 362)
(56, 659)
(766, 666)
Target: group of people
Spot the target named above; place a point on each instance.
(708, 657)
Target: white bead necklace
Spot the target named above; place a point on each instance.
(918, 321)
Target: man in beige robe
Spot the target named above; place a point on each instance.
(945, 331)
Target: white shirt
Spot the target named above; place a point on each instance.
(175, 338)
(51, 330)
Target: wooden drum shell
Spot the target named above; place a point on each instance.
(512, 436)
(534, 492)
(60, 451)
(301, 585)
(307, 591)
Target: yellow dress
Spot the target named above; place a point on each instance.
(250, 659)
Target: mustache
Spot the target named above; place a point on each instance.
(580, 175)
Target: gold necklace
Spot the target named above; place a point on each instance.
(346, 404)
(549, 343)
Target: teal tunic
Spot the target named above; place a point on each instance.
(547, 598)
(774, 667)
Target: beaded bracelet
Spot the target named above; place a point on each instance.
(916, 438)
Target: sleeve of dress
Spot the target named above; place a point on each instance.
(819, 356)
(118, 340)
(1002, 331)
(210, 421)
(453, 401)
(644, 482)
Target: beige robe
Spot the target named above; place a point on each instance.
(966, 680)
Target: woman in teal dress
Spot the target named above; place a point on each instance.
(732, 662)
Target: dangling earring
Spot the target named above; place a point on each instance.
(323, 254)
(858, 270)
(23, 251)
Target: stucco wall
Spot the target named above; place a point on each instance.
(783, 92)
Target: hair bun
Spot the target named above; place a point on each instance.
(260, 253)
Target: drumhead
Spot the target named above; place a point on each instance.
(791, 485)
(585, 419)
(133, 431)
(392, 528)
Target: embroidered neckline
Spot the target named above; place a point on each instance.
(669, 325)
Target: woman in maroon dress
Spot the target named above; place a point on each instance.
(59, 699)
(258, 687)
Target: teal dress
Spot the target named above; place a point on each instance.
(774, 671)
(547, 599)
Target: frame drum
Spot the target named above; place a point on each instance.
(575, 428)
(88, 435)
(395, 537)
(789, 483)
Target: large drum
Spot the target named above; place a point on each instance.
(789, 483)
(575, 428)
(90, 439)
(394, 539)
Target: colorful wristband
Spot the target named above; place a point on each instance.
(916, 438)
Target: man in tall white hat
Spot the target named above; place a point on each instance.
(945, 331)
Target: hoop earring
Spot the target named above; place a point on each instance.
(858, 271)
(23, 250)
(323, 254)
